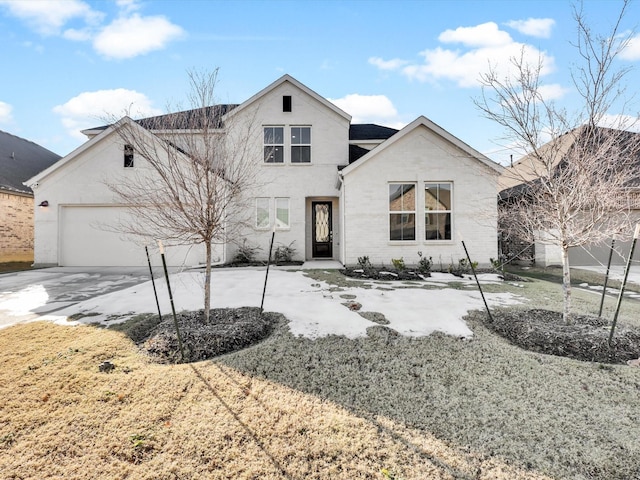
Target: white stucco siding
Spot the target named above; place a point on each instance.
(297, 182)
(417, 158)
(73, 229)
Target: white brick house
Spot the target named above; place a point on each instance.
(331, 189)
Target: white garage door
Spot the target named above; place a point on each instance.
(86, 240)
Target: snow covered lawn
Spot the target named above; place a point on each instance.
(314, 308)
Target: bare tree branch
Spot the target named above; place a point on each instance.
(574, 187)
(195, 170)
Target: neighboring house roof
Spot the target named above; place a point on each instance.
(370, 131)
(296, 83)
(425, 122)
(21, 159)
(525, 171)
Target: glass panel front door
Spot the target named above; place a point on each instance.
(322, 243)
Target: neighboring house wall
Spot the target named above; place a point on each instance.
(420, 158)
(16, 227)
(298, 184)
(79, 227)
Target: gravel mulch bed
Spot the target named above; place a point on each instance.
(228, 330)
(382, 273)
(586, 338)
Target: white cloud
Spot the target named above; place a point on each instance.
(135, 35)
(369, 109)
(393, 64)
(5, 112)
(484, 47)
(483, 35)
(632, 50)
(535, 27)
(47, 17)
(465, 68)
(127, 36)
(91, 108)
(620, 122)
(552, 91)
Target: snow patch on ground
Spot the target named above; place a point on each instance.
(313, 309)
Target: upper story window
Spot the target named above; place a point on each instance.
(402, 211)
(300, 144)
(128, 156)
(437, 211)
(274, 144)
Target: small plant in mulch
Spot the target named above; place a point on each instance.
(586, 338)
(228, 330)
(246, 253)
(284, 253)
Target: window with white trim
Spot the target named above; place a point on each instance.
(282, 213)
(402, 211)
(437, 210)
(300, 144)
(262, 212)
(274, 144)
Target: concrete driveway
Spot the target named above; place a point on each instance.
(26, 295)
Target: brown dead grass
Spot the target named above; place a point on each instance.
(62, 418)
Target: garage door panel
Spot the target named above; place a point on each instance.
(89, 237)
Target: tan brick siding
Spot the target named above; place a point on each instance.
(16, 228)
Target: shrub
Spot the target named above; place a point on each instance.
(284, 253)
(398, 264)
(246, 253)
(424, 264)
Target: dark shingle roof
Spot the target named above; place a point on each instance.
(20, 160)
(186, 119)
(355, 152)
(370, 131)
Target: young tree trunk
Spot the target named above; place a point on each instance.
(207, 283)
(566, 285)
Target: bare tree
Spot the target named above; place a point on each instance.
(197, 174)
(573, 190)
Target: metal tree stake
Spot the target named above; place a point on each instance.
(153, 282)
(606, 277)
(624, 281)
(477, 281)
(173, 308)
(264, 290)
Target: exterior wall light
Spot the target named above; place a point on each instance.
(44, 203)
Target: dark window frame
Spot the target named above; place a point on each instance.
(128, 160)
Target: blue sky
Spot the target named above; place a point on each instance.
(68, 64)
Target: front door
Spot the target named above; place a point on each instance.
(322, 244)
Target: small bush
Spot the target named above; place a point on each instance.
(424, 264)
(398, 264)
(246, 253)
(284, 253)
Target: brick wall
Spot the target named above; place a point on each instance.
(16, 228)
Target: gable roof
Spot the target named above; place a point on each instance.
(602, 141)
(105, 132)
(186, 119)
(441, 132)
(296, 83)
(21, 159)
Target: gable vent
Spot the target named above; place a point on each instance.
(286, 103)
